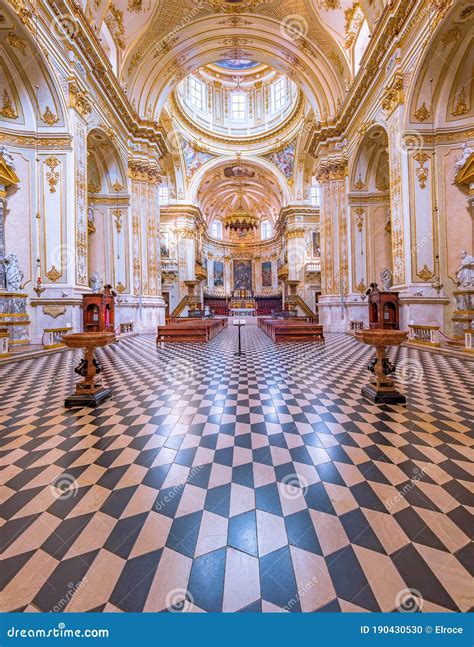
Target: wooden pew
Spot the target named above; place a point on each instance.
(291, 330)
(190, 330)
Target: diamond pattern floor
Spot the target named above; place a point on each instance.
(215, 483)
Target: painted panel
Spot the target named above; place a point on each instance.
(242, 275)
(266, 274)
(218, 274)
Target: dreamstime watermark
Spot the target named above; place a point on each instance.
(72, 588)
(294, 27)
(301, 593)
(65, 27)
(409, 601)
(295, 486)
(53, 381)
(419, 474)
(175, 491)
(180, 372)
(179, 600)
(408, 371)
(63, 257)
(64, 487)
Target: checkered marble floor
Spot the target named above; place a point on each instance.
(215, 483)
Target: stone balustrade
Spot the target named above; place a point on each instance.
(424, 334)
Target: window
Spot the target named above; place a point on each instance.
(266, 230)
(196, 93)
(316, 195)
(216, 229)
(278, 94)
(238, 106)
(163, 195)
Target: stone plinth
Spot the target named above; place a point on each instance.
(14, 317)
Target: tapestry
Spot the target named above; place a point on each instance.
(266, 274)
(242, 275)
(218, 274)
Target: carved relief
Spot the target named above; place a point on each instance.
(8, 109)
(48, 117)
(422, 113)
(52, 175)
(422, 172)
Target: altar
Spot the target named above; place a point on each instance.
(243, 308)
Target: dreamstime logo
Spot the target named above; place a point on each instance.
(65, 27)
(295, 256)
(63, 257)
(408, 371)
(293, 27)
(180, 372)
(412, 142)
(179, 600)
(65, 487)
(409, 601)
(295, 487)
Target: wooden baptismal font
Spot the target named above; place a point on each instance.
(90, 392)
(381, 389)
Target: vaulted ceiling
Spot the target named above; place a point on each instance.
(160, 42)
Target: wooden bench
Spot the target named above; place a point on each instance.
(190, 330)
(291, 330)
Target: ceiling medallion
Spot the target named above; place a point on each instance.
(236, 6)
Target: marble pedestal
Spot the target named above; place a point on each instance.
(14, 317)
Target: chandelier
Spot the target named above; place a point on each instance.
(241, 221)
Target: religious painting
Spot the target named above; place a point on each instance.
(193, 158)
(284, 160)
(165, 245)
(242, 275)
(316, 244)
(266, 274)
(218, 274)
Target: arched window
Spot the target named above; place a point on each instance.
(163, 195)
(315, 194)
(266, 230)
(238, 106)
(278, 94)
(360, 45)
(216, 229)
(196, 94)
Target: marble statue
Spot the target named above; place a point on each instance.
(466, 153)
(386, 277)
(95, 282)
(7, 156)
(465, 271)
(14, 275)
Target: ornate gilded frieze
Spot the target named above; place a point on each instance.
(298, 232)
(79, 99)
(393, 95)
(332, 170)
(141, 171)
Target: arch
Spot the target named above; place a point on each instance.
(442, 89)
(317, 75)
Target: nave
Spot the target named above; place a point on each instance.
(210, 482)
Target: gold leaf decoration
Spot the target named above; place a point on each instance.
(422, 172)
(425, 274)
(53, 274)
(8, 109)
(461, 107)
(15, 41)
(48, 117)
(422, 113)
(52, 175)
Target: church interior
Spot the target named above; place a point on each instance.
(236, 305)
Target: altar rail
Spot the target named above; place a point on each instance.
(426, 335)
(53, 337)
